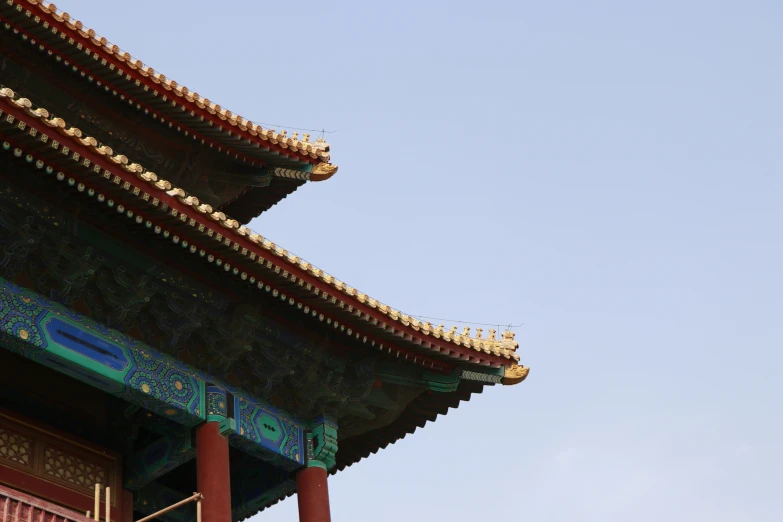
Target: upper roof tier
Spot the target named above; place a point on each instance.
(293, 158)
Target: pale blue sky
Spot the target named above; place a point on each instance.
(607, 172)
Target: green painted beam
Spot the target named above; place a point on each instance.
(322, 442)
(62, 339)
(75, 345)
(409, 375)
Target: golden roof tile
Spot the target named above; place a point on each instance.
(329, 287)
(318, 150)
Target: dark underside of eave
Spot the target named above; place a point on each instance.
(421, 410)
(424, 408)
(257, 200)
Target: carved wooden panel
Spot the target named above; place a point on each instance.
(64, 466)
(54, 466)
(15, 448)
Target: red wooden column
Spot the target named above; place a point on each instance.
(127, 506)
(214, 481)
(312, 494)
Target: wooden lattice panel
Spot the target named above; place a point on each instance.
(15, 448)
(55, 467)
(64, 466)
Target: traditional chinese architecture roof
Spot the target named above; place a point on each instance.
(380, 371)
(221, 240)
(294, 159)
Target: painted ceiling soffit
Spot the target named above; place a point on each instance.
(247, 255)
(118, 63)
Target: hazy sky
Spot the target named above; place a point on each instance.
(606, 172)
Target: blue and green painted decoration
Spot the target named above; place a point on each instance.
(322, 442)
(59, 338)
(78, 346)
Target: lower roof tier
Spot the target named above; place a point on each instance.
(135, 400)
(236, 252)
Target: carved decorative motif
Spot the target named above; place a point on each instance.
(15, 447)
(217, 407)
(323, 171)
(73, 469)
(515, 374)
(322, 442)
(268, 433)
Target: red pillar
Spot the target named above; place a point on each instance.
(312, 494)
(213, 473)
(127, 506)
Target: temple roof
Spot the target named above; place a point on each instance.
(254, 259)
(165, 101)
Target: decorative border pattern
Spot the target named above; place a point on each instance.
(70, 343)
(481, 377)
(268, 433)
(322, 442)
(217, 410)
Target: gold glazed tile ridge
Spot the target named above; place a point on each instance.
(317, 150)
(505, 347)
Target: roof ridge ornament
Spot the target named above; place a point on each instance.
(515, 374)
